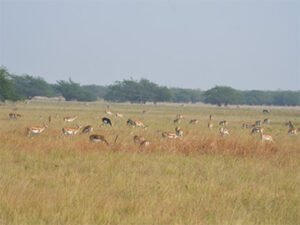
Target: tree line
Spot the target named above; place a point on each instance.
(22, 87)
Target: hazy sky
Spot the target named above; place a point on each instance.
(182, 43)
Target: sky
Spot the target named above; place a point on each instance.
(245, 44)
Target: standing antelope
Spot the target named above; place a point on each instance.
(223, 123)
(96, 138)
(266, 121)
(35, 130)
(290, 125)
(177, 120)
(171, 135)
(194, 121)
(71, 131)
(256, 130)
(224, 131)
(69, 118)
(14, 116)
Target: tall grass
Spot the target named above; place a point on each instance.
(199, 179)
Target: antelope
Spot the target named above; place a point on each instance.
(87, 129)
(258, 123)
(210, 117)
(36, 130)
(210, 125)
(108, 112)
(70, 131)
(194, 121)
(266, 121)
(69, 118)
(106, 121)
(224, 131)
(144, 144)
(293, 131)
(266, 111)
(223, 123)
(177, 120)
(96, 138)
(171, 135)
(245, 125)
(266, 137)
(141, 141)
(14, 116)
(119, 115)
(257, 130)
(290, 124)
(179, 116)
(135, 123)
(49, 119)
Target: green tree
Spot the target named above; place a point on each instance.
(223, 95)
(6, 91)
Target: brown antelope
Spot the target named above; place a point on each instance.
(223, 123)
(179, 116)
(119, 115)
(194, 121)
(135, 123)
(257, 123)
(293, 131)
(141, 141)
(256, 130)
(96, 138)
(14, 116)
(171, 135)
(35, 130)
(266, 111)
(224, 131)
(177, 120)
(71, 131)
(109, 112)
(144, 144)
(210, 125)
(266, 121)
(290, 125)
(247, 125)
(266, 137)
(87, 129)
(69, 118)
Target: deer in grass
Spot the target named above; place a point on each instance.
(35, 130)
(119, 115)
(293, 131)
(14, 116)
(71, 131)
(141, 141)
(257, 123)
(256, 130)
(70, 118)
(107, 111)
(266, 121)
(224, 131)
(194, 121)
(266, 137)
(171, 135)
(179, 116)
(87, 129)
(135, 123)
(223, 123)
(290, 125)
(106, 121)
(210, 125)
(177, 120)
(96, 138)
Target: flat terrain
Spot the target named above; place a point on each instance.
(201, 178)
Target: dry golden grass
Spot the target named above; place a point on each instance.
(202, 178)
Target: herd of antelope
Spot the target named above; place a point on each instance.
(255, 128)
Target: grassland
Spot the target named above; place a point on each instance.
(199, 179)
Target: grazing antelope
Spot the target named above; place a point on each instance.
(119, 115)
(109, 112)
(69, 118)
(266, 121)
(177, 120)
(247, 126)
(87, 129)
(35, 130)
(266, 111)
(179, 116)
(194, 121)
(256, 130)
(224, 131)
(293, 131)
(135, 123)
(106, 121)
(14, 116)
(223, 123)
(144, 144)
(171, 135)
(266, 137)
(210, 125)
(70, 131)
(96, 138)
(141, 141)
(290, 124)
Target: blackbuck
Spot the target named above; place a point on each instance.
(266, 137)
(223, 123)
(257, 123)
(194, 121)
(290, 125)
(141, 141)
(248, 125)
(109, 112)
(14, 116)
(106, 121)
(171, 135)
(87, 129)
(119, 115)
(70, 118)
(35, 130)
(266, 121)
(257, 130)
(224, 131)
(135, 123)
(210, 125)
(266, 111)
(71, 131)
(96, 138)
(179, 116)
(293, 131)
(177, 120)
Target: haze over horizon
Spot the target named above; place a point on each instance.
(248, 45)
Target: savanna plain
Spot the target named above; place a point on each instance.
(199, 178)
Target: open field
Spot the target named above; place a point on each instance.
(201, 178)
